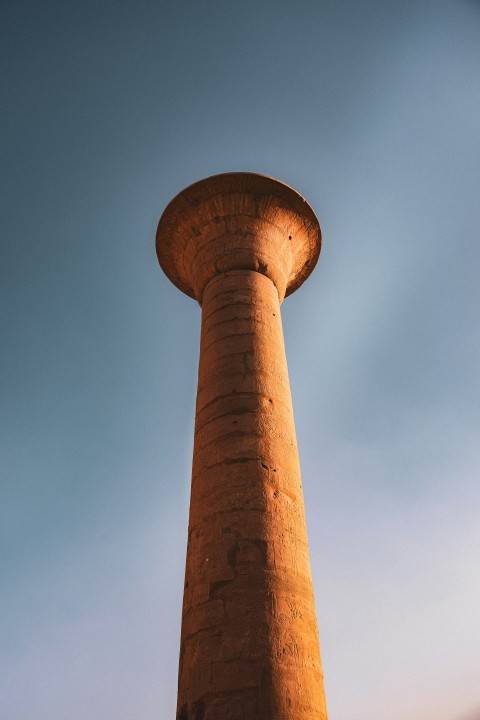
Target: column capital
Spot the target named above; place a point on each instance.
(238, 221)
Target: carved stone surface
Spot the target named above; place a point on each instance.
(238, 221)
(249, 644)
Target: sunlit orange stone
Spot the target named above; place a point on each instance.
(239, 243)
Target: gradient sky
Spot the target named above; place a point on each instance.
(372, 111)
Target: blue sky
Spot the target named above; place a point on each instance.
(372, 111)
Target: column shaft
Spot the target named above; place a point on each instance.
(249, 644)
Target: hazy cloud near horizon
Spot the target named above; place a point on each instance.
(371, 110)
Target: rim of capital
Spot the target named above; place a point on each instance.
(172, 236)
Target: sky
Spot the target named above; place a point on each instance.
(371, 110)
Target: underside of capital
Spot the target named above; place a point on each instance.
(238, 221)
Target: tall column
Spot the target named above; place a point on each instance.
(249, 650)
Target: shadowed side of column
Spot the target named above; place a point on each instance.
(249, 647)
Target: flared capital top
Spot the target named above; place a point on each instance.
(238, 221)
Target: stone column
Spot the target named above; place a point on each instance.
(239, 243)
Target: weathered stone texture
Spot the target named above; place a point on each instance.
(249, 645)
